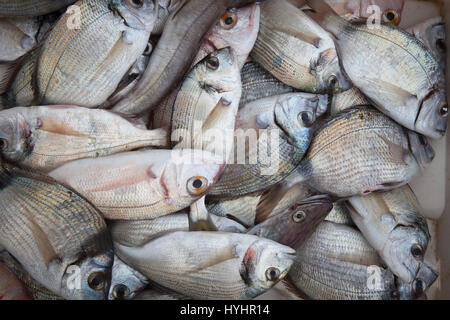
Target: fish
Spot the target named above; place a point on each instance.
(279, 130)
(286, 30)
(392, 223)
(211, 265)
(337, 263)
(31, 8)
(11, 288)
(7, 72)
(293, 226)
(58, 237)
(258, 83)
(340, 214)
(45, 137)
(83, 64)
(142, 184)
(393, 69)
(432, 34)
(175, 52)
(357, 152)
(347, 100)
(199, 217)
(126, 282)
(35, 290)
(158, 294)
(136, 233)
(18, 37)
(165, 8)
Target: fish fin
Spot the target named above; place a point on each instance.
(292, 289)
(46, 250)
(270, 199)
(398, 153)
(310, 38)
(7, 71)
(325, 16)
(199, 218)
(403, 97)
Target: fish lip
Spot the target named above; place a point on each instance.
(316, 200)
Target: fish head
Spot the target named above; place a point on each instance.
(218, 72)
(137, 14)
(15, 136)
(425, 278)
(404, 251)
(238, 29)
(295, 114)
(432, 118)
(421, 149)
(331, 77)
(191, 173)
(89, 278)
(264, 264)
(390, 10)
(125, 281)
(435, 35)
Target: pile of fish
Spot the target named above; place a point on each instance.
(212, 149)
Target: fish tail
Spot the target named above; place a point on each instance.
(326, 17)
(158, 138)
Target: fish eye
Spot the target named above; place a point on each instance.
(136, 3)
(305, 118)
(299, 216)
(417, 251)
(272, 274)
(441, 46)
(422, 140)
(391, 16)
(228, 20)
(443, 110)
(197, 185)
(96, 281)
(3, 144)
(418, 286)
(213, 63)
(333, 82)
(120, 292)
(148, 49)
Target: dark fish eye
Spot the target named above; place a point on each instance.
(272, 274)
(197, 185)
(419, 286)
(305, 118)
(441, 46)
(422, 140)
(333, 83)
(136, 3)
(443, 110)
(213, 63)
(3, 144)
(391, 16)
(120, 292)
(148, 49)
(96, 281)
(417, 251)
(299, 216)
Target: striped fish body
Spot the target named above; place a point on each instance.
(22, 8)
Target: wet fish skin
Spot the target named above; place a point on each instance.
(408, 85)
(286, 30)
(135, 233)
(237, 264)
(369, 143)
(126, 282)
(84, 66)
(36, 233)
(18, 36)
(31, 8)
(281, 116)
(157, 294)
(142, 184)
(293, 226)
(347, 100)
(11, 288)
(181, 38)
(340, 214)
(392, 223)
(257, 83)
(46, 137)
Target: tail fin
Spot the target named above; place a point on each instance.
(326, 17)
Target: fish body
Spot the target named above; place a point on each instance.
(393, 69)
(18, 36)
(142, 184)
(11, 288)
(347, 100)
(293, 226)
(392, 223)
(31, 8)
(340, 214)
(279, 133)
(45, 137)
(284, 32)
(53, 232)
(135, 233)
(83, 64)
(211, 265)
(361, 151)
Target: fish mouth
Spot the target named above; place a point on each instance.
(316, 200)
(131, 20)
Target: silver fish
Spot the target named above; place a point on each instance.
(126, 282)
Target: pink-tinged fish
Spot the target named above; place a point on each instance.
(142, 184)
(11, 288)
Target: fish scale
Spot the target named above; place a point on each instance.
(21, 8)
